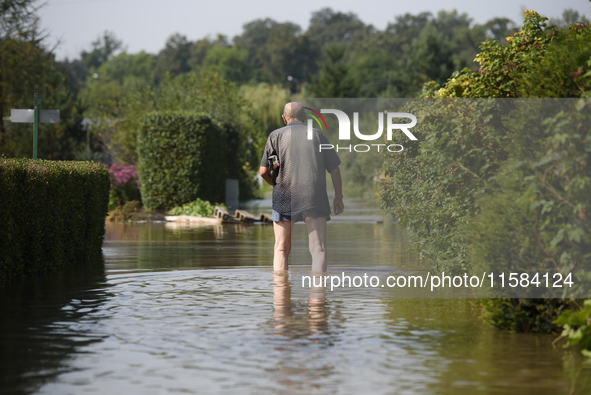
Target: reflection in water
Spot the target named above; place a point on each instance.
(193, 310)
(282, 313)
(46, 320)
(302, 338)
(317, 308)
(283, 316)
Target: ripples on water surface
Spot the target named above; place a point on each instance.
(169, 308)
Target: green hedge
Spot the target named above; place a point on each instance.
(51, 213)
(184, 156)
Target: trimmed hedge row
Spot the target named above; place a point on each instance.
(183, 156)
(51, 213)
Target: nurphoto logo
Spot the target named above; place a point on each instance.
(345, 129)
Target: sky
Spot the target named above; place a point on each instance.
(146, 24)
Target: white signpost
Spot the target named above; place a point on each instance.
(35, 116)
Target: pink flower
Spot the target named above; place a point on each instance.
(122, 174)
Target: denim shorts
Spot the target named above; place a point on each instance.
(277, 217)
(280, 217)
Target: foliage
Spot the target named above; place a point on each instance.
(53, 214)
(534, 54)
(124, 185)
(431, 186)
(516, 183)
(410, 51)
(121, 114)
(334, 80)
(198, 208)
(524, 315)
(328, 26)
(577, 327)
(394, 62)
(175, 58)
(19, 35)
(229, 62)
(541, 195)
(27, 67)
(277, 50)
(473, 164)
(123, 213)
(265, 105)
(183, 156)
(102, 50)
(415, 49)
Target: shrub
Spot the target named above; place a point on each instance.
(124, 185)
(524, 315)
(577, 327)
(123, 213)
(53, 213)
(535, 216)
(198, 208)
(538, 61)
(434, 187)
(183, 156)
(504, 188)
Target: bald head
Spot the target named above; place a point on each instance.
(293, 111)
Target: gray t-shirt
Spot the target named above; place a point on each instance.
(301, 180)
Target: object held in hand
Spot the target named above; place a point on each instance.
(273, 167)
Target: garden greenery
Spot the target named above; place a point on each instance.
(53, 213)
(577, 328)
(198, 208)
(183, 156)
(492, 185)
(124, 185)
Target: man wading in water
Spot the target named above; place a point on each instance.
(299, 190)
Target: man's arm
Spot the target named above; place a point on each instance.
(264, 172)
(337, 183)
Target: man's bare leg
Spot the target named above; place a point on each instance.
(282, 248)
(317, 243)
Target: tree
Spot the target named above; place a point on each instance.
(499, 28)
(78, 70)
(175, 58)
(229, 62)
(103, 48)
(569, 16)
(126, 67)
(277, 50)
(201, 49)
(407, 27)
(19, 51)
(429, 57)
(27, 67)
(254, 38)
(327, 26)
(334, 80)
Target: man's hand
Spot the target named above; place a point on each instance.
(338, 206)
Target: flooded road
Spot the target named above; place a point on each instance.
(170, 308)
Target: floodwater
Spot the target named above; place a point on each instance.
(170, 308)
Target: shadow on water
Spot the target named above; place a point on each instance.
(46, 320)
